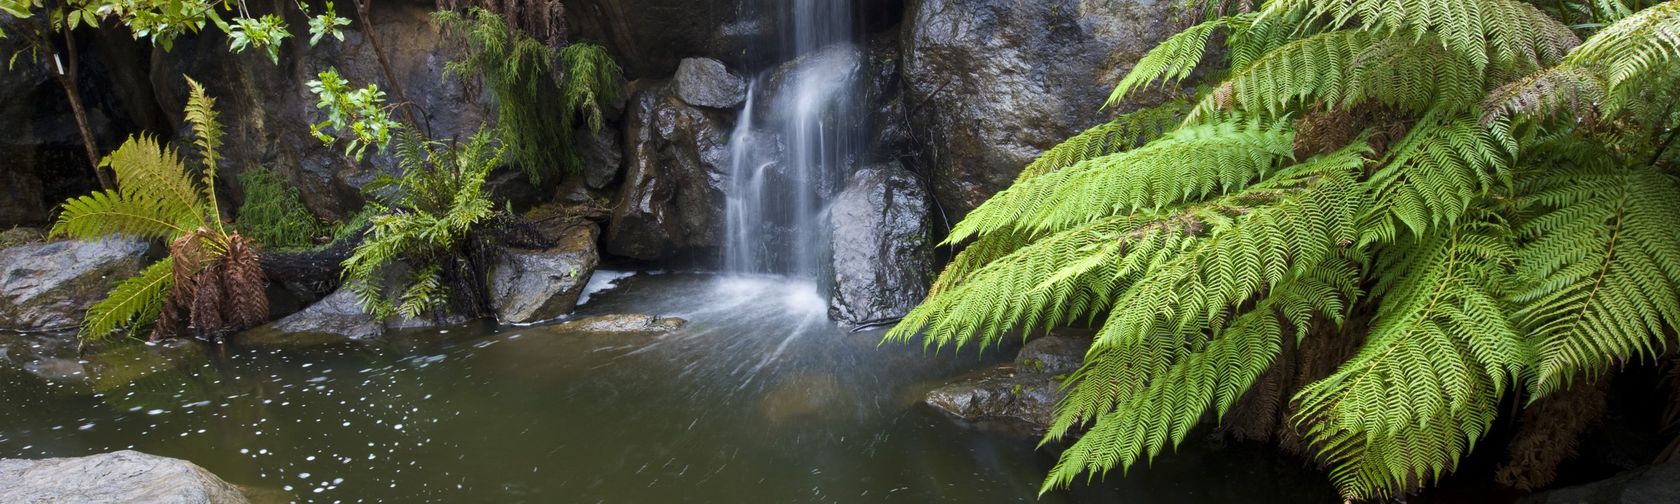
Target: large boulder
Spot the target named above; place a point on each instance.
(997, 82)
(116, 477)
(536, 285)
(882, 250)
(267, 108)
(676, 168)
(49, 286)
(1024, 392)
(1659, 483)
(705, 82)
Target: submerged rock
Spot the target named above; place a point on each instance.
(1024, 391)
(1658, 483)
(49, 286)
(996, 82)
(620, 323)
(535, 285)
(705, 82)
(123, 476)
(882, 254)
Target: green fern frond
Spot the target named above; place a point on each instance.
(1634, 45)
(1571, 91)
(1293, 74)
(1484, 31)
(130, 301)
(1191, 163)
(1414, 74)
(1170, 62)
(1447, 162)
(1603, 266)
(144, 166)
(591, 80)
(1127, 131)
(1426, 384)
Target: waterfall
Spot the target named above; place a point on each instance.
(791, 146)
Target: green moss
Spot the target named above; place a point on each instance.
(274, 214)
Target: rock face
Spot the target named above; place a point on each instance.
(1659, 483)
(48, 286)
(116, 477)
(1000, 81)
(676, 168)
(603, 155)
(705, 82)
(536, 285)
(45, 160)
(882, 257)
(1024, 391)
(267, 108)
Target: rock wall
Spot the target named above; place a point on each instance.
(996, 82)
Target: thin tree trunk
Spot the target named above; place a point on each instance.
(362, 9)
(66, 74)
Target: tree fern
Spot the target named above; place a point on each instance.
(1506, 220)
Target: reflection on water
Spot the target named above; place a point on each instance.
(758, 399)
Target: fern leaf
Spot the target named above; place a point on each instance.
(129, 301)
(1634, 45)
(1124, 132)
(1568, 90)
(103, 213)
(1425, 386)
(1169, 62)
(1434, 174)
(1511, 31)
(1311, 68)
(1191, 163)
(1603, 262)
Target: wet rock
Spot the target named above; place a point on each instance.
(882, 254)
(705, 82)
(535, 285)
(833, 73)
(1659, 483)
(650, 37)
(1024, 391)
(888, 130)
(603, 155)
(123, 476)
(996, 82)
(337, 318)
(676, 166)
(49, 286)
(620, 323)
(267, 109)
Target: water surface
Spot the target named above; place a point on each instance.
(758, 399)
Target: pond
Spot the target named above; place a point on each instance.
(757, 399)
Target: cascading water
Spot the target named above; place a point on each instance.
(791, 145)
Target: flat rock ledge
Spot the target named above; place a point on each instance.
(116, 477)
(1022, 394)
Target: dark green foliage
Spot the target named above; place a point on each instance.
(273, 214)
(525, 75)
(1494, 200)
(425, 219)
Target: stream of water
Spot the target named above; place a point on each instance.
(758, 399)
